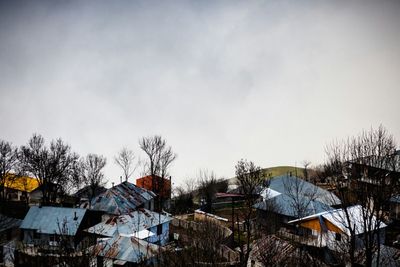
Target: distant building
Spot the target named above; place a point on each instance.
(43, 225)
(143, 224)
(160, 186)
(331, 228)
(122, 199)
(83, 195)
(128, 239)
(22, 188)
(124, 251)
(53, 236)
(288, 197)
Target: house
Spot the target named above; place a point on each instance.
(388, 257)
(122, 199)
(48, 225)
(124, 251)
(83, 195)
(332, 230)
(9, 232)
(54, 236)
(22, 188)
(394, 207)
(288, 198)
(160, 186)
(271, 250)
(143, 224)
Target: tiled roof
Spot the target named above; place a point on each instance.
(53, 220)
(121, 199)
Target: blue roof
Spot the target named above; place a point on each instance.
(53, 220)
(395, 199)
(308, 196)
(322, 195)
(129, 224)
(285, 205)
(121, 199)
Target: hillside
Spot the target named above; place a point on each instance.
(276, 171)
(281, 170)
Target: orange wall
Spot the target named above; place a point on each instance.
(315, 225)
(147, 183)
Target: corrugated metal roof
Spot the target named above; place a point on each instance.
(126, 249)
(8, 223)
(339, 219)
(286, 205)
(50, 220)
(129, 224)
(310, 197)
(121, 199)
(322, 195)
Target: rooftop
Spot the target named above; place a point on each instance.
(126, 249)
(121, 199)
(338, 218)
(21, 183)
(130, 224)
(53, 220)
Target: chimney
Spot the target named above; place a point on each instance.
(112, 184)
(75, 217)
(120, 178)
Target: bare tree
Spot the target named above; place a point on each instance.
(8, 164)
(300, 194)
(201, 246)
(207, 187)
(125, 159)
(250, 179)
(271, 250)
(63, 251)
(159, 159)
(183, 197)
(365, 171)
(92, 175)
(306, 164)
(53, 166)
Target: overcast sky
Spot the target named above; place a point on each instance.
(270, 81)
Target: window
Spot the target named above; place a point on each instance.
(159, 229)
(338, 237)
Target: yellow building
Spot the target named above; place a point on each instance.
(21, 187)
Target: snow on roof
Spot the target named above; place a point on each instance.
(129, 224)
(338, 218)
(142, 234)
(322, 195)
(269, 193)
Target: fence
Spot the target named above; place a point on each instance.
(224, 251)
